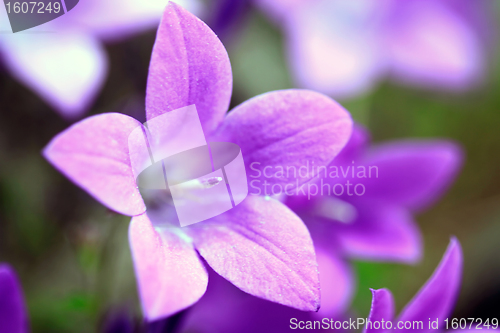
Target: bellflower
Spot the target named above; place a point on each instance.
(13, 314)
(431, 305)
(260, 246)
(342, 48)
(64, 60)
(361, 208)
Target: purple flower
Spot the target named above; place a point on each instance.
(260, 246)
(13, 314)
(435, 300)
(65, 62)
(371, 219)
(430, 306)
(342, 48)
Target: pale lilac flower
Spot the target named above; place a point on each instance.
(343, 48)
(434, 301)
(13, 314)
(260, 246)
(377, 225)
(64, 60)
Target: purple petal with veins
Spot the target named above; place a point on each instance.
(438, 296)
(263, 249)
(314, 130)
(189, 65)
(260, 246)
(94, 154)
(382, 309)
(169, 272)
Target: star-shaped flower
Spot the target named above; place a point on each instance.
(260, 246)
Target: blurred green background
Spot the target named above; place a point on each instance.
(72, 254)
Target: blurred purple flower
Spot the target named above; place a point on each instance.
(260, 246)
(342, 48)
(434, 301)
(377, 225)
(13, 314)
(64, 60)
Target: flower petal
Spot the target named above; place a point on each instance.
(355, 147)
(226, 309)
(66, 69)
(337, 284)
(380, 232)
(189, 65)
(431, 45)
(170, 275)
(437, 297)
(382, 308)
(412, 173)
(288, 128)
(13, 314)
(334, 47)
(265, 250)
(94, 154)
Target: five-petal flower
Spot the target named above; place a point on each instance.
(260, 246)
